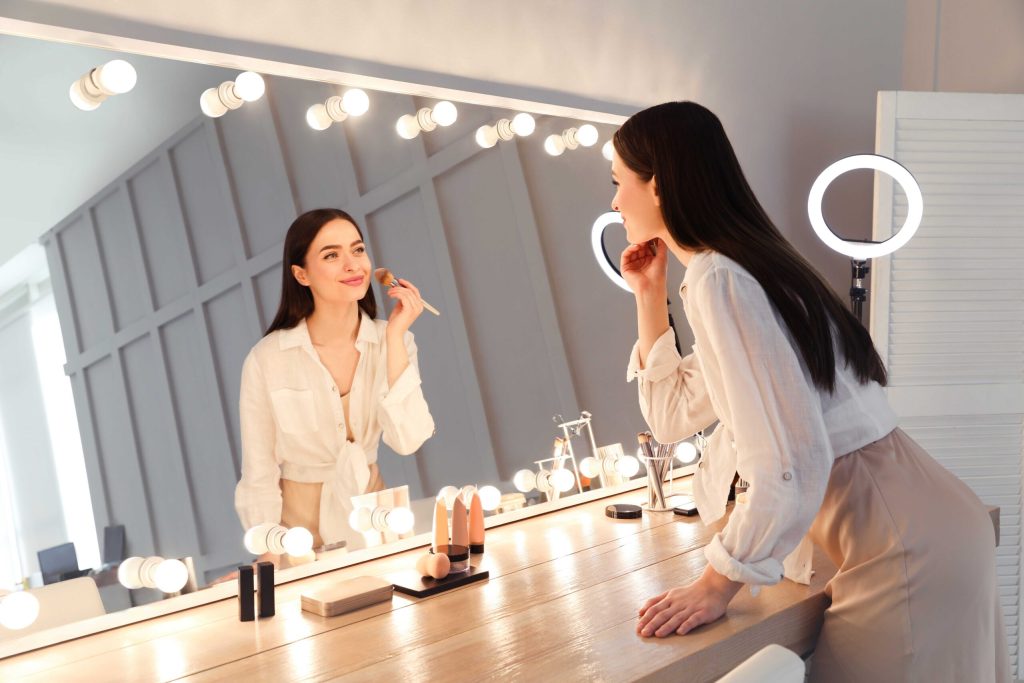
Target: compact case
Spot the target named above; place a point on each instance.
(347, 596)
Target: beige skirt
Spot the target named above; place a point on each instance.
(300, 502)
(915, 597)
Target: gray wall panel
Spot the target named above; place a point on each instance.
(377, 152)
(85, 278)
(207, 215)
(114, 225)
(164, 242)
(226, 321)
(268, 293)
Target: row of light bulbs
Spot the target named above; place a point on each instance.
(118, 76)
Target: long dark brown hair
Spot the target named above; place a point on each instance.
(296, 299)
(707, 204)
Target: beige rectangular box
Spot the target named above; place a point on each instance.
(347, 596)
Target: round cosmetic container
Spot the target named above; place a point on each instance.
(458, 555)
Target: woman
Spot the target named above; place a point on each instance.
(796, 384)
(325, 384)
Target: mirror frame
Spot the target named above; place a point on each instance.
(311, 66)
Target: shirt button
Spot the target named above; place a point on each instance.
(334, 388)
(787, 476)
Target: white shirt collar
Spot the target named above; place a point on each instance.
(299, 335)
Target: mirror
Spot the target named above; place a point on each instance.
(141, 262)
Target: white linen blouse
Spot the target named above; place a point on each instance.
(776, 428)
(293, 424)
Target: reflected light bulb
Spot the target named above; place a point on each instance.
(554, 145)
(627, 466)
(523, 124)
(317, 117)
(607, 149)
(18, 610)
(401, 520)
(524, 480)
(686, 452)
(297, 541)
(490, 497)
(128, 572)
(170, 576)
(255, 539)
(360, 519)
(449, 494)
(117, 76)
(467, 494)
(444, 113)
(486, 136)
(562, 480)
(211, 105)
(586, 135)
(249, 86)
(590, 467)
(407, 127)
(355, 102)
(79, 100)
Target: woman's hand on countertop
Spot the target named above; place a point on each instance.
(682, 609)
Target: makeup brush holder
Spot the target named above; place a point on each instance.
(659, 473)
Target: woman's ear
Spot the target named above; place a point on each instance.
(653, 185)
(300, 275)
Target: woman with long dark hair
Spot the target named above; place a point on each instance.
(796, 384)
(325, 384)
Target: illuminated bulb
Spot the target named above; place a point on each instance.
(170, 576)
(525, 480)
(18, 610)
(607, 149)
(562, 480)
(401, 520)
(486, 136)
(249, 86)
(317, 117)
(356, 102)
(361, 519)
(128, 572)
(80, 100)
(490, 497)
(554, 145)
(627, 466)
(523, 124)
(467, 494)
(211, 105)
(449, 494)
(255, 539)
(297, 541)
(407, 127)
(686, 452)
(116, 76)
(444, 113)
(586, 135)
(590, 467)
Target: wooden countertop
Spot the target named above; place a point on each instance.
(562, 600)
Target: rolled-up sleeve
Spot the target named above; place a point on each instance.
(258, 494)
(673, 396)
(404, 414)
(774, 412)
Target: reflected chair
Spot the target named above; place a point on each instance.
(59, 563)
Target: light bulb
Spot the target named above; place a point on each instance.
(467, 494)
(523, 124)
(401, 520)
(211, 105)
(317, 117)
(355, 102)
(444, 113)
(486, 136)
(116, 76)
(590, 467)
(554, 145)
(170, 576)
(586, 135)
(80, 100)
(360, 519)
(627, 466)
(544, 481)
(255, 539)
(249, 86)
(686, 452)
(449, 494)
(18, 610)
(562, 480)
(128, 572)
(525, 480)
(407, 127)
(607, 149)
(297, 541)
(490, 497)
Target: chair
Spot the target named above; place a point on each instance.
(58, 560)
(771, 663)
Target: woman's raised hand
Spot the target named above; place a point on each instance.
(408, 306)
(644, 267)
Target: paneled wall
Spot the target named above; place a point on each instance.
(166, 278)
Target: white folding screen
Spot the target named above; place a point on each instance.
(947, 310)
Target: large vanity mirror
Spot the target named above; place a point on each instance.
(141, 260)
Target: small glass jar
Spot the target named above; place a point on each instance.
(458, 555)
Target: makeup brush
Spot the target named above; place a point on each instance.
(387, 278)
(653, 478)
